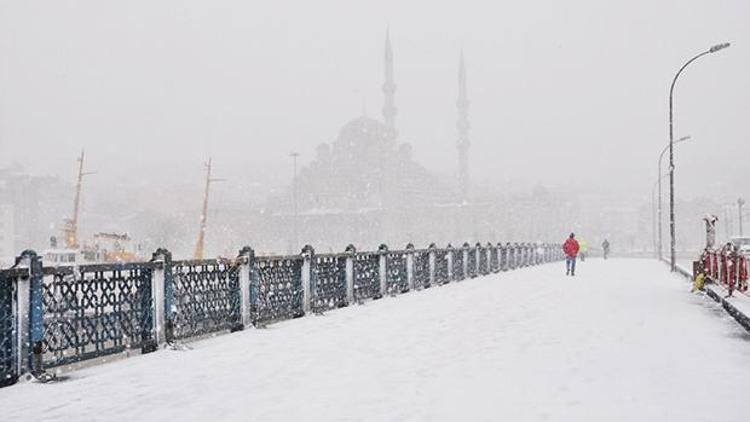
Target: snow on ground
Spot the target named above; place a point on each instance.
(621, 341)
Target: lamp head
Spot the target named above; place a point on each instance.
(718, 47)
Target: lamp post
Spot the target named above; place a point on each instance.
(657, 244)
(714, 49)
(659, 179)
(295, 241)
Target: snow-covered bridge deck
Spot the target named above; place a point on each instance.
(623, 340)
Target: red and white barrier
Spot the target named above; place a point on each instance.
(726, 268)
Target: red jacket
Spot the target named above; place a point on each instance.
(570, 247)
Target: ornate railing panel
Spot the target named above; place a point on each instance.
(277, 288)
(471, 268)
(441, 266)
(206, 297)
(8, 352)
(366, 275)
(421, 272)
(514, 256)
(396, 278)
(484, 265)
(329, 282)
(95, 310)
(458, 265)
(494, 260)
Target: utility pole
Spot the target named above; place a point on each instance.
(295, 240)
(740, 203)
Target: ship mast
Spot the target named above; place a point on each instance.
(198, 254)
(71, 225)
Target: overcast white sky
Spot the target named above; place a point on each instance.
(568, 92)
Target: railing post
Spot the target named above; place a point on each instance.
(492, 251)
(255, 305)
(350, 251)
(449, 258)
(506, 256)
(410, 266)
(162, 298)
(383, 255)
(307, 277)
(525, 254)
(245, 260)
(499, 253)
(29, 317)
(477, 259)
(431, 262)
(465, 262)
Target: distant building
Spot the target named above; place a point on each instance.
(39, 204)
(7, 236)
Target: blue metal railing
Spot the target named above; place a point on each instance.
(94, 310)
(67, 314)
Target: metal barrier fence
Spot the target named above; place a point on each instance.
(726, 268)
(57, 315)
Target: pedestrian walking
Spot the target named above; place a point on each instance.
(605, 248)
(583, 248)
(570, 248)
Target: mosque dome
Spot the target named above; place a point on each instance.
(361, 133)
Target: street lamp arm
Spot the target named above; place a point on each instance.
(677, 75)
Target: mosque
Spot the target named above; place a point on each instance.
(366, 188)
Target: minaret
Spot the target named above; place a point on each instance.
(462, 104)
(389, 89)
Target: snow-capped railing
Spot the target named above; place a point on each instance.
(727, 268)
(58, 315)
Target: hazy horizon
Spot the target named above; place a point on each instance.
(564, 93)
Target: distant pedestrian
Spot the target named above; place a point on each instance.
(570, 247)
(605, 248)
(583, 248)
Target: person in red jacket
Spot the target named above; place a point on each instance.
(570, 247)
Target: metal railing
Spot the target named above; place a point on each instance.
(57, 315)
